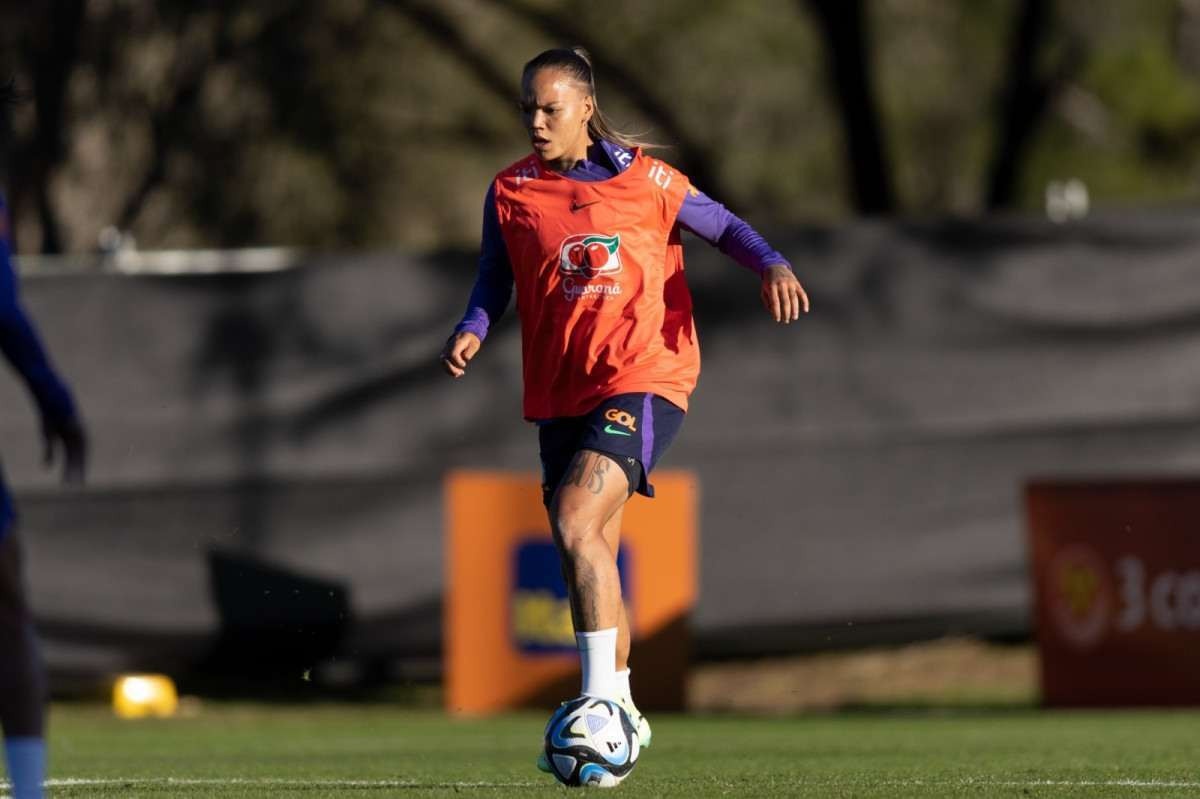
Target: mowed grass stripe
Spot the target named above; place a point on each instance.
(290, 787)
(241, 750)
(75, 782)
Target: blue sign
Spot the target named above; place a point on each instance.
(539, 613)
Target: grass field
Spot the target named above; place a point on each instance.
(242, 750)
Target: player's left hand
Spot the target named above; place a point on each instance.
(782, 294)
(70, 436)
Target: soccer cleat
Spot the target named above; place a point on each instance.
(639, 721)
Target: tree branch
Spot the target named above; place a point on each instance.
(442, 29)
(169, 123)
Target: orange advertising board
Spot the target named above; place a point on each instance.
(1116, 568)
(508, 639)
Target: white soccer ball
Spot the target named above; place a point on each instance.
(591, 742)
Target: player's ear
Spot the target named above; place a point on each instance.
(589, 107)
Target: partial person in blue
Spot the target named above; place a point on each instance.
(23, 689)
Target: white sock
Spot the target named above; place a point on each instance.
(598, 658)
(624, 694)
(26, 766)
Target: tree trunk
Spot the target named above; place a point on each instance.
(1022, 105)
(843, 29)
(52, 50)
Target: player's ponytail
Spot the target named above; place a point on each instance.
(577, 63)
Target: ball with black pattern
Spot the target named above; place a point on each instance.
(591, 741)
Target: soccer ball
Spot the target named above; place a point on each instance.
(592, 742)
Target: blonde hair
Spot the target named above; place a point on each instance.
(577, 64)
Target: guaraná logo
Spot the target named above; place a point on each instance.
(589, 255)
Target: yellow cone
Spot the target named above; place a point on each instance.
(136, 696)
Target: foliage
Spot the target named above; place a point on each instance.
(356, 124)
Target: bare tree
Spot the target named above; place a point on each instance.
(51, 49)
(843, 28)
(1022, 103)
(170, 123)
(1027, 96)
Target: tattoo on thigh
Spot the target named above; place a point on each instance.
(577, 470)
(596, 480)
(587, 470)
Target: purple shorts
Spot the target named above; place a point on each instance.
(633, 429)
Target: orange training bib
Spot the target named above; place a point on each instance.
(598, 268)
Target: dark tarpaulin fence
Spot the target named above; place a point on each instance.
(860, 471)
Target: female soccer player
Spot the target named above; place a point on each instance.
(588, 228)
(22, 681)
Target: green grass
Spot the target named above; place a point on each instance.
(242, 750)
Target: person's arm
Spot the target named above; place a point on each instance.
(489, 297)
(21, 346)
(494, 284)
(720, 227)
(782, 293)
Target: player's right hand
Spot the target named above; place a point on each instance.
(459, 350)
(70, 436)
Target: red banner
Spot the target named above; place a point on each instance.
(1116, 569)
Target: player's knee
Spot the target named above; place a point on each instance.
(575, 532)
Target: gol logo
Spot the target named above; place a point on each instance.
(622, 418)
(1079, 595)
(590, 254)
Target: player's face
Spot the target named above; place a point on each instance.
(556, 111)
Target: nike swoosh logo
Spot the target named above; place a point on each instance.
(608, 428)
(576, 206)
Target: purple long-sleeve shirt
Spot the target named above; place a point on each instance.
(699, 214)
(20, 344)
